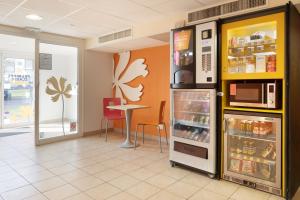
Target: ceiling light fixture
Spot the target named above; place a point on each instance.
(34, 17)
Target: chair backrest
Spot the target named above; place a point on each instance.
(161, 112)
(111, 102)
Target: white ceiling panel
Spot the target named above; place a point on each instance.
(142, 15)
(53, 7)
(4, 9)
(18, 18)
(99, 19)
(71, 27)
(115, 7)
(149, 3)
(11, 2)
(173, 6)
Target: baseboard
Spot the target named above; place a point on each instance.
(96, 132)
(147, 136)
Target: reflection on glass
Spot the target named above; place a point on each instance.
(191, 115)
(252, 49)
(58, 91)
(18, 91)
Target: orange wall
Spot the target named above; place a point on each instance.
(156, 86)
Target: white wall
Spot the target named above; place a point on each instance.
(97, 85)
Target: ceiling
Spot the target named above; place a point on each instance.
(91, 18)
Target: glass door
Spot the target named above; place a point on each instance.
(18, 90)
(253, 147)
(192, 115)
(58, 92)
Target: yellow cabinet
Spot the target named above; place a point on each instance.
(254, 48)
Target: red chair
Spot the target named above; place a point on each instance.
(110, 114)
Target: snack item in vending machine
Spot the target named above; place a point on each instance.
(245, 147)
(249, 127)
(256, 127)
(235, 165)
(274, 155)
(243, 126)
(265, 170)
(251, 148)
(266, 128)
(248, 167)
(271, 63)
(268, 150)
(230, 125)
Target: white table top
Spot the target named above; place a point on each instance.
(127, 107)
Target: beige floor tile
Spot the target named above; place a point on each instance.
(273, 197)
(75, 174)
(53, 163)
(207, 195)
(244, 193)
(20, 193)
(160, 180)
(61, 192)
(62, 169)
(108, 174)
(36, 197)
(80, 196)
(182, 189)
(123, 182)
(142, 174)
(83, 163)
(95, 168)
(12, 184)
(198, 180)
(123, 196)
(112, 163)
(38, 176)
(143, 161)
(165, 195)
(30, 169)
(49, 184)
(221, 187)
(126, 167)
(86, 183)
(143, 190)
(177, 173)
(103, 191)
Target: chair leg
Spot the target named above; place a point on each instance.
(165, 129)
(158, 130)
(106, 127)
(143, 134)
(101, 126)
(122, 127)
(135, 135)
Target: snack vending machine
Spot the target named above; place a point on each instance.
(193, 97)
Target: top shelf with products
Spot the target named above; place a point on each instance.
(253, 48)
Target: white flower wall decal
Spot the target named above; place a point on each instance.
(135, 69)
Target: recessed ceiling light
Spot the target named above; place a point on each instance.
(34, 17)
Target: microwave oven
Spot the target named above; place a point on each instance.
(257, 94)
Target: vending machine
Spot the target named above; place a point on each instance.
(193, 97)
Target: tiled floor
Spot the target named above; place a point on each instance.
(89, 168)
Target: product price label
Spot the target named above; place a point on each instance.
(233, 89)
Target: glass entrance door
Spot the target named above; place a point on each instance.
(18, 90)
(57, 93)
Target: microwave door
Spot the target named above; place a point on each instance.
(248, 95)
